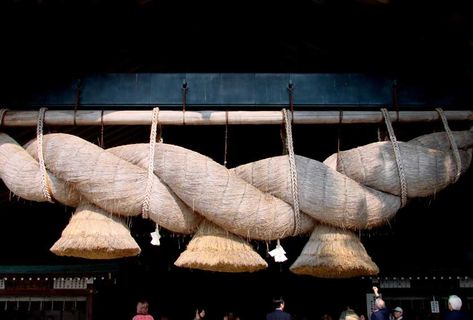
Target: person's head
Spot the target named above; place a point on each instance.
(200, 313)
(230, 316)
(326, 316)
(397, 312)
(142, 307)
(279, 303)
(454, 302)
(380, 304)
(351, 315)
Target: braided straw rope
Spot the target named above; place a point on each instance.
(216, 193)
(149, 181)
(324, 194)
(20, 172)
(252, 201)
(113, 184)
(188, 186)
(293, 173)
(453, 144)
(397, 154)
(45, 186)
(429, 165)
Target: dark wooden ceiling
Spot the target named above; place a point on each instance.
(414, 38)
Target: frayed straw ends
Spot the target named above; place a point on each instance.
(334, 253)
(94, 234)
(215, 249)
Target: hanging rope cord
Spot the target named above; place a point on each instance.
(225, 151)
(453, 144)
(340, 167)
(149, 182)
(45, 186)
(102, 131)
(397, 156)
(2, 115)
(293, 171)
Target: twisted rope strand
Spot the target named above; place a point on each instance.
(339, 166)
(45, 187)
(226, 140)
(149, 182)
(397, 155)
(293, 173)
(453, 144)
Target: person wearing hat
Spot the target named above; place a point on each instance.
(397, 313)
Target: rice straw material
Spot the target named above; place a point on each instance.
(215, 249)
(324, 194)
(397, 157)
(217, 193)
(334, 253)
(21, 174)
(115, 185)
(439, 140)
(427, 171)
(45, 184)
(94, 234)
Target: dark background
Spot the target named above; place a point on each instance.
(418, 42)
(415, 39)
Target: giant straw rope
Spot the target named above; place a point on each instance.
(353, 189)
(252, 200)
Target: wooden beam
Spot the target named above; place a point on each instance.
(16, 118)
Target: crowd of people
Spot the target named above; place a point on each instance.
(380, 311)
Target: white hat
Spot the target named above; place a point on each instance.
(398, 309)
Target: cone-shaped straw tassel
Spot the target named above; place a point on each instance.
(334, 253)
(92, 233)
(215, 249)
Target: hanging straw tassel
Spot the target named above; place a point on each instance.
(334, 253)
(92, 233)
(215, 249)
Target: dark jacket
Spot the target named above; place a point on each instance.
(456, 315)
(278, 315)
(381, 314)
